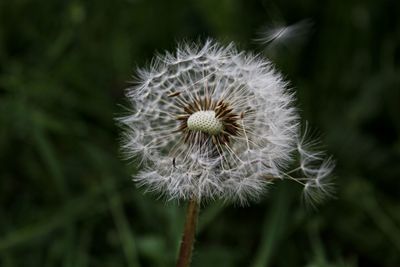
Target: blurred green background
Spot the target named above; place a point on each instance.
(66, 195)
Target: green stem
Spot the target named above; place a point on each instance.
(185, 252)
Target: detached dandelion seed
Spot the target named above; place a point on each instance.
(278, 34)
(210, 122)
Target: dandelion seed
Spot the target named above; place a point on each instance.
(316, 169)
(211, 122)
(278, 33)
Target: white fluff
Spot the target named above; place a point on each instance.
(240, 172)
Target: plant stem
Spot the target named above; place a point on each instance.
(185, 252)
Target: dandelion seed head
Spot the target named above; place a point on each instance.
(210, 122)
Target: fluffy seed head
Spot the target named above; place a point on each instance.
(210, 122)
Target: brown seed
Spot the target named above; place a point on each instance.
(182, 117)
(173, 94)
(224, 112)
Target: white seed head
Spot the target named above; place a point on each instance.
(204, 121)
(210, 122)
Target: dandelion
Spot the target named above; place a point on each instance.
(210, 122)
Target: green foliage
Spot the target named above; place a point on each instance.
(66, 196)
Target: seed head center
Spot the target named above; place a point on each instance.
(205, 121)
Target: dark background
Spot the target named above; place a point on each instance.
(66, 195)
